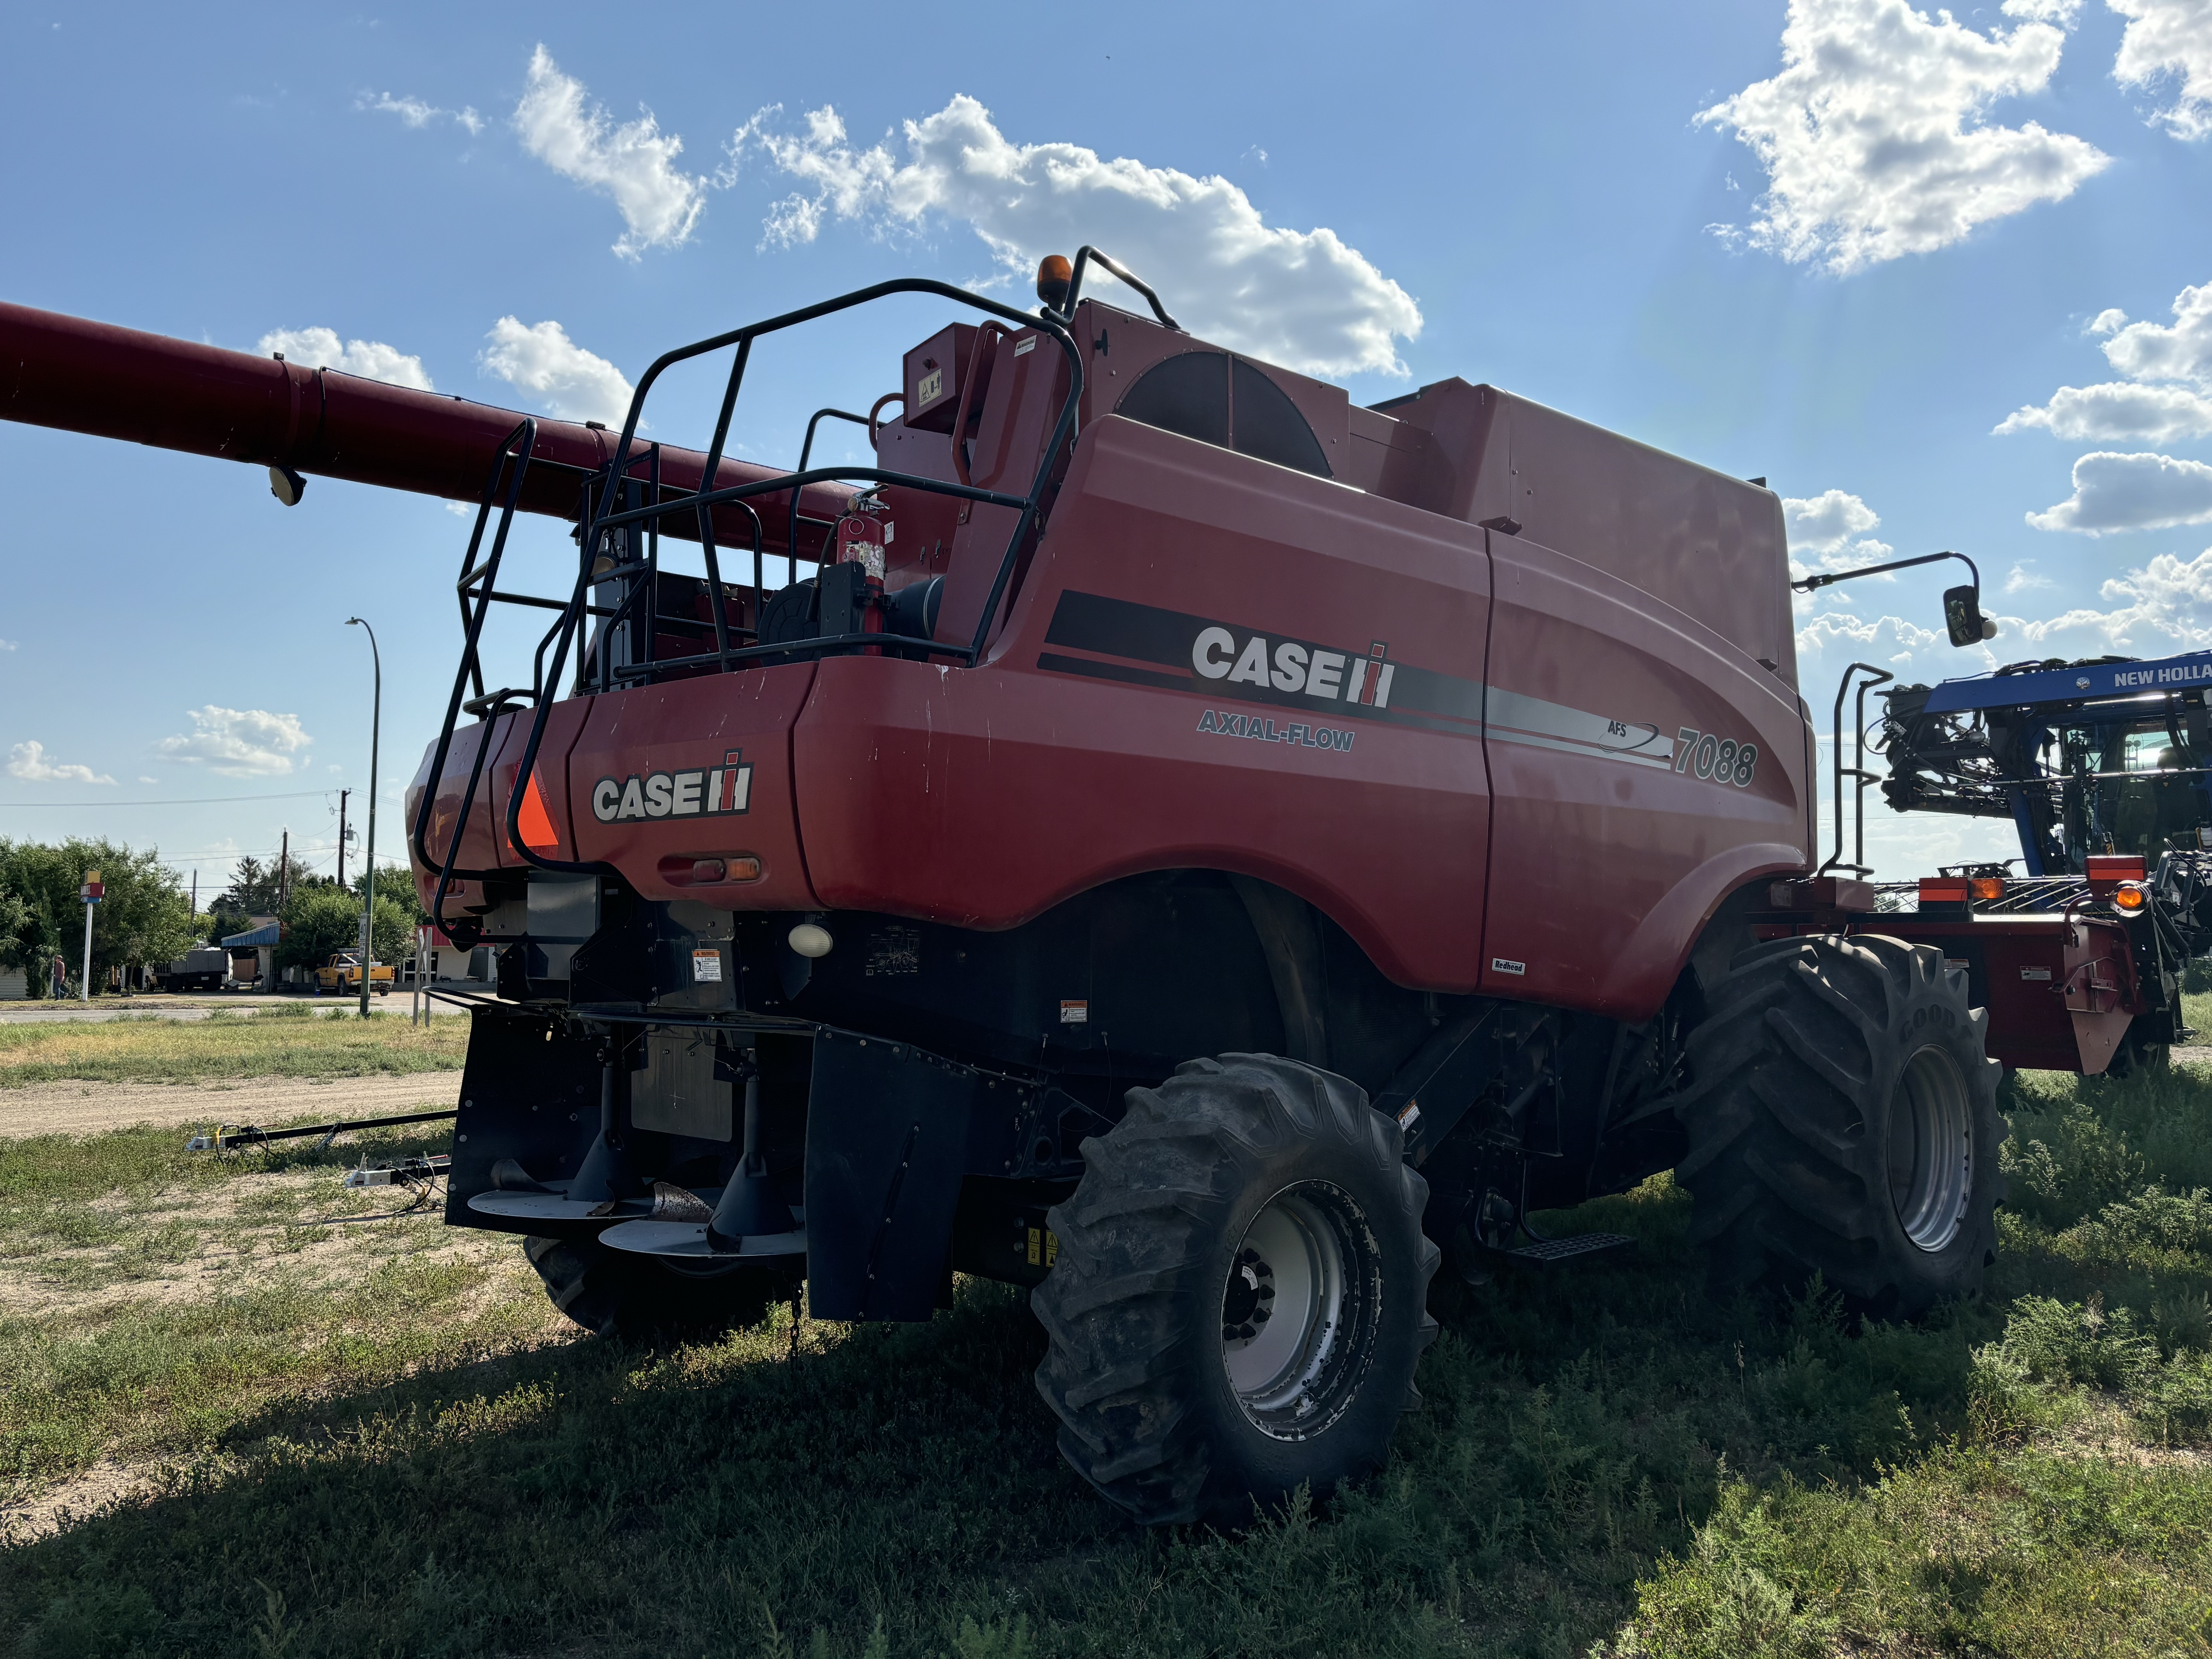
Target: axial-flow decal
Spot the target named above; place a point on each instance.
(709, 792)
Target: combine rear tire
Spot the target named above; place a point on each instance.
(1238, 1303)
(616, 1293)
(1842, 1120)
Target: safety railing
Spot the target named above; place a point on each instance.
(1857, 770)
(618, 505)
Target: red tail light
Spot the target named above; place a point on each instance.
(683, 870)
(1943, 889)
(2109, 869)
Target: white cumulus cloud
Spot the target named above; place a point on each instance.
(7, 645)
(2116, 412)
(414, 113)
(2167, 395)
(634, 163)
(2181, 350)
(1302, 299)
(2168, 43)
(238, 743)
(2114, 492)
(28, 761)
(1828, 531)
(564, 378)
(372, 359)
(1875, 135)
(2164, 605)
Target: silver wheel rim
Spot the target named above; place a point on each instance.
(1930, 1149)
(1299, 1288)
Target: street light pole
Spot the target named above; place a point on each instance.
(368, 858)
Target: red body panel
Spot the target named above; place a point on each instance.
(694, 726)
(984, 796)
(1122, 722)
(1607, 851)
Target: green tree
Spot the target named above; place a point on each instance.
(395, 882)
(325, 918)
(254, 889)
(144, 918)
(16, 930)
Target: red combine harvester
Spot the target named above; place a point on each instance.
(1191, 845)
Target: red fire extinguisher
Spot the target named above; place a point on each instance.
(861, 540)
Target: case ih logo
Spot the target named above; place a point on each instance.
(711, 792)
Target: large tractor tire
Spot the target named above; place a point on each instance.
(1842, 1120)
(1238, 1305)
(617, 1293)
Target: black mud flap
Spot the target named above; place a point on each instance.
(888, 1127)
(527, 1093)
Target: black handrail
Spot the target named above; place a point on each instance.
(792, 512)
(470, 670)
(701, 499)
(1857, 770)
(1087, 254)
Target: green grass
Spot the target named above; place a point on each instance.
(395, 1458)
(288, 1040)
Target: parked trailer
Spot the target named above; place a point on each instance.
(202, 968)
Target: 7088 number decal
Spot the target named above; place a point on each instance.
(1721, 759)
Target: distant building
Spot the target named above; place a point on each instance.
(15, 985)
(444, 962)
(253, 953)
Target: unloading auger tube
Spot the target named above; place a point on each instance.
(1197, 849)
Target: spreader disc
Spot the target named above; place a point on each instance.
(552, 1206)
(688, 1239)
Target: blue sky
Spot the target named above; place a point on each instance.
(1835, 245)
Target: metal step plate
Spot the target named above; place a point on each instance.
(1561, 1249)
(687, 1240)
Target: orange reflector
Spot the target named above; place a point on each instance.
(1985, 887)
(535, 822)
(682, 870)
(2129, 897)
(1943, 889)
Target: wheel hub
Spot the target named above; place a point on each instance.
(1930, 1149)
(1298, 1297)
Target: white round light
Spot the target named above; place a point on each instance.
(809, 940)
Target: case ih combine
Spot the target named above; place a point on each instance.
(1186, 843)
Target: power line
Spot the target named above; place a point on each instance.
(190, 800)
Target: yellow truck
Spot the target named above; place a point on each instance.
(341, 976)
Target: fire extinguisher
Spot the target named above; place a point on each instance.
(861, 540)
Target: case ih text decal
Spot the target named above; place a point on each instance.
(1179, 652)
(712, 791)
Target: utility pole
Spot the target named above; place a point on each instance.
(284, 875)
(342, 793)
(368, 866)
(91, 893)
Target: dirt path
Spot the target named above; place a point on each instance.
(83, 1109)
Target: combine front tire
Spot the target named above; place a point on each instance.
(1842, 1120)
(1238, 1304)
(616, 1293)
